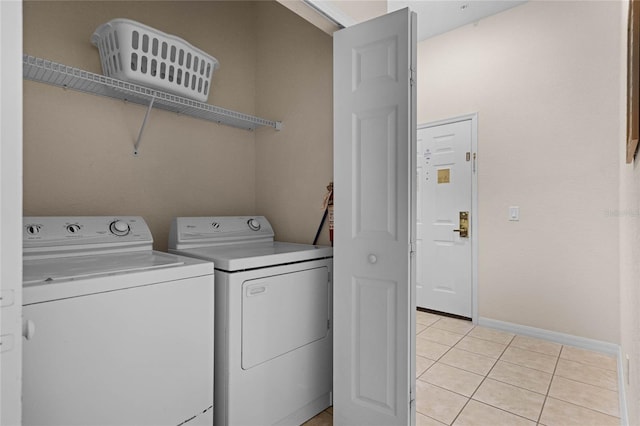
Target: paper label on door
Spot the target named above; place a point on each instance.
(443, 176)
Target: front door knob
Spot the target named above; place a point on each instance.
(464, 225)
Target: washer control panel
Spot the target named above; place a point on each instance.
(80, 235)
(187, 232)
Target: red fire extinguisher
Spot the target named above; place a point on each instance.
(330, 211)
(327, 205)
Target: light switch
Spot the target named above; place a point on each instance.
(514, 213)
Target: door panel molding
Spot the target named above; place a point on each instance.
(375, 172)
(374, 319)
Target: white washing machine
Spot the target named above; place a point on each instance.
(116, 333)
(273, 338)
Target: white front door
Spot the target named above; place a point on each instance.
(374, 160)
(444, 250)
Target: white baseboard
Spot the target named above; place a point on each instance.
(554, 336)
(569, 340)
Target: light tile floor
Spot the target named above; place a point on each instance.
(476, 376)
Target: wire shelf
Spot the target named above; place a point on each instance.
(45, 71)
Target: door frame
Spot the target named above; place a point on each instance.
(11, 215)
(474, 201)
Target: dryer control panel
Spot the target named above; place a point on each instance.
(191, 232)
(59, 236)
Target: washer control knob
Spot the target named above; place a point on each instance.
(215, 225)
(254, 225)
(73, 229)
(33, 229)
(119, 228)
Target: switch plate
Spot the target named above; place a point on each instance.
(514, 213)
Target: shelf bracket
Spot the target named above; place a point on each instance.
(136, 147)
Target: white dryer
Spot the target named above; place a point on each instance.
(273, 338)
(117, 334)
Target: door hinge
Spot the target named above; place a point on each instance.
(412, 76)
(412, 248)
(6, 298)
(328, 324)
(6, 342)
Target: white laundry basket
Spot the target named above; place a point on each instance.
(137, 53)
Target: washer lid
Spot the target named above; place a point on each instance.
(77, 267)
(240, 257)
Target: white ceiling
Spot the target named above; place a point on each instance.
(439, 16)
(434, 16)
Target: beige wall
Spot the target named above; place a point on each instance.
(352, 10)
(295, 85)
(629, 217)
(544, 78)
(361, 10)
(78, 148)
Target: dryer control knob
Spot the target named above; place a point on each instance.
(254, 225)
(119, 228)
(33, 229)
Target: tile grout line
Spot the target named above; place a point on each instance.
(583, 364)
(580, 382)
(439, 358)
(482, 381)
(486, 376)
(468, 398)
(553, 375)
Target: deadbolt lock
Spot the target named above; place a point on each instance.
(464, 225)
